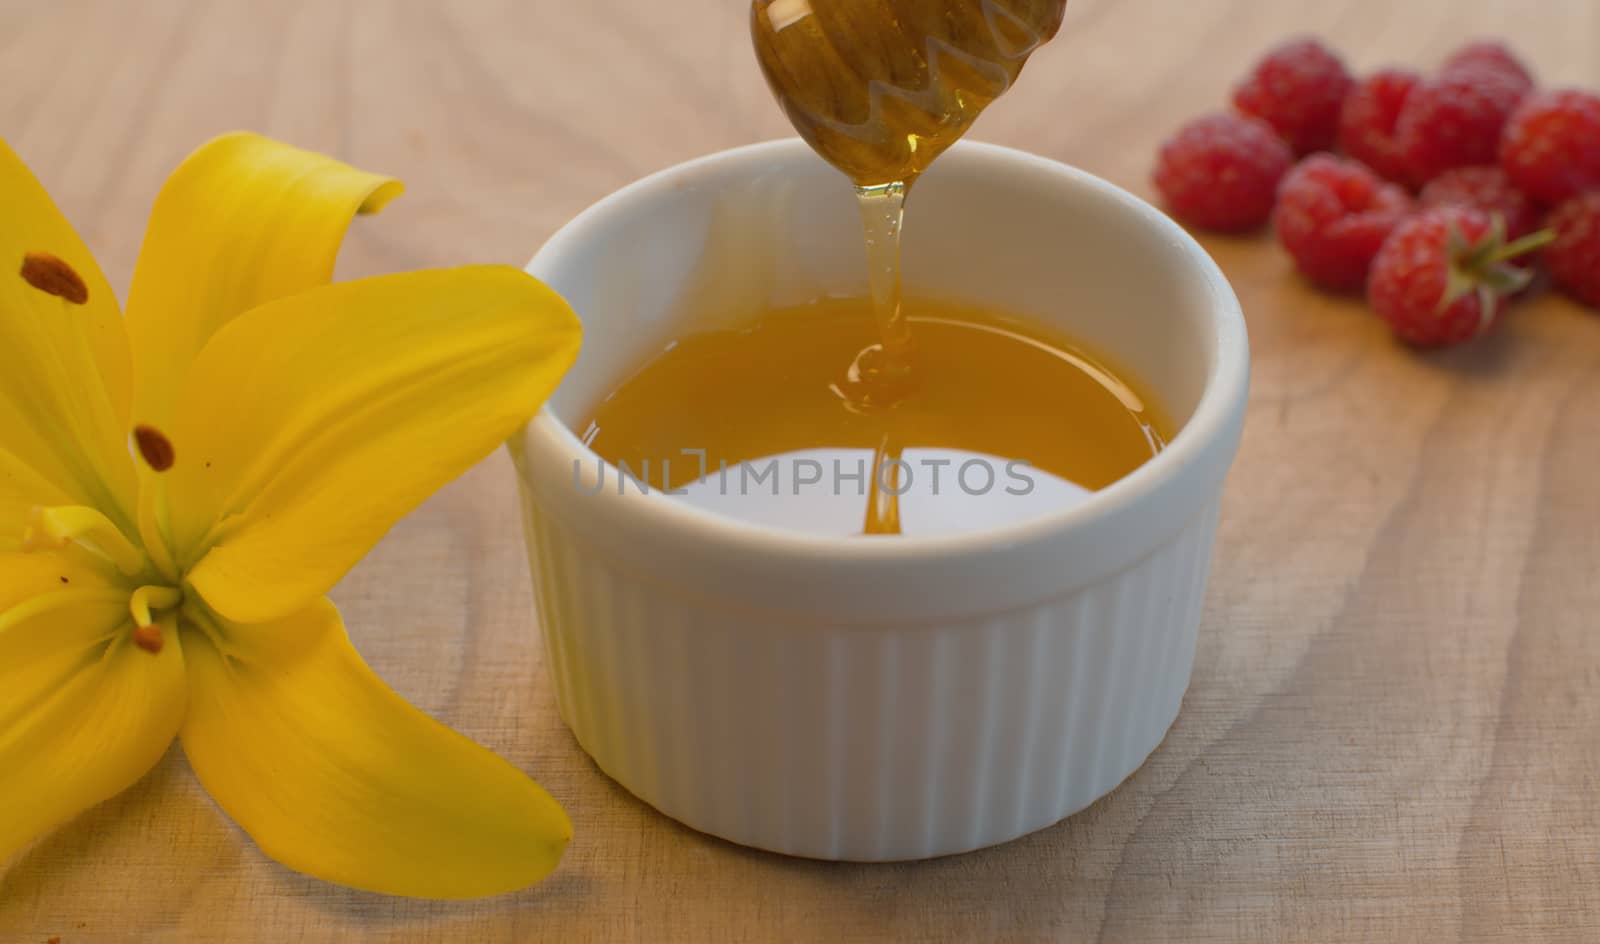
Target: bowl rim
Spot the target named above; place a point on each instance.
(1218, 412)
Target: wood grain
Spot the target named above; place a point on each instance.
(1394, 727)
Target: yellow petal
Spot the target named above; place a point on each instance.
(83, 711)
(21, 490)
(311, 425)
(334, 775)
(24, 576)
(242, 221)
(65, 386)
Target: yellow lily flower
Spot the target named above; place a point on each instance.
(282, 426)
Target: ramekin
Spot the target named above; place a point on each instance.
(880, 699)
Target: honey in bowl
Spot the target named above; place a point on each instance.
(942, 417)
(762, 421)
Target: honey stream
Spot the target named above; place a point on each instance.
(880, 88)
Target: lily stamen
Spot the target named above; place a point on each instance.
(149, 600)
(154, 447)
(55, 528)
(149, 638)
(51, 275)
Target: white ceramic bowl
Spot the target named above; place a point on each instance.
(880, 699)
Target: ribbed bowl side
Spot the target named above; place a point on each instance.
(867, 743)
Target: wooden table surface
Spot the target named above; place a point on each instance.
(1393, 731)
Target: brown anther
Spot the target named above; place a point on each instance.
(148, 638)
(154, 447)
(52, 276)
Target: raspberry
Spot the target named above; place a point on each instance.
(1454, 120)
(1442, 276)
(1551, 148)
(1333, 215)
(1221, 172)
(1371, 112)
(1574, 257)
(1495, 55)
(1485, 188)
(1298, 89)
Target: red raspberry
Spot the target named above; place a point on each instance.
(1333, 215)
(1487, 189)
(1454, 120)
(1494, 54)
(1442, 277)
(1298, 89)
(1551, 147)
(1574, 257)
(1221, 172)
(1371, 112)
